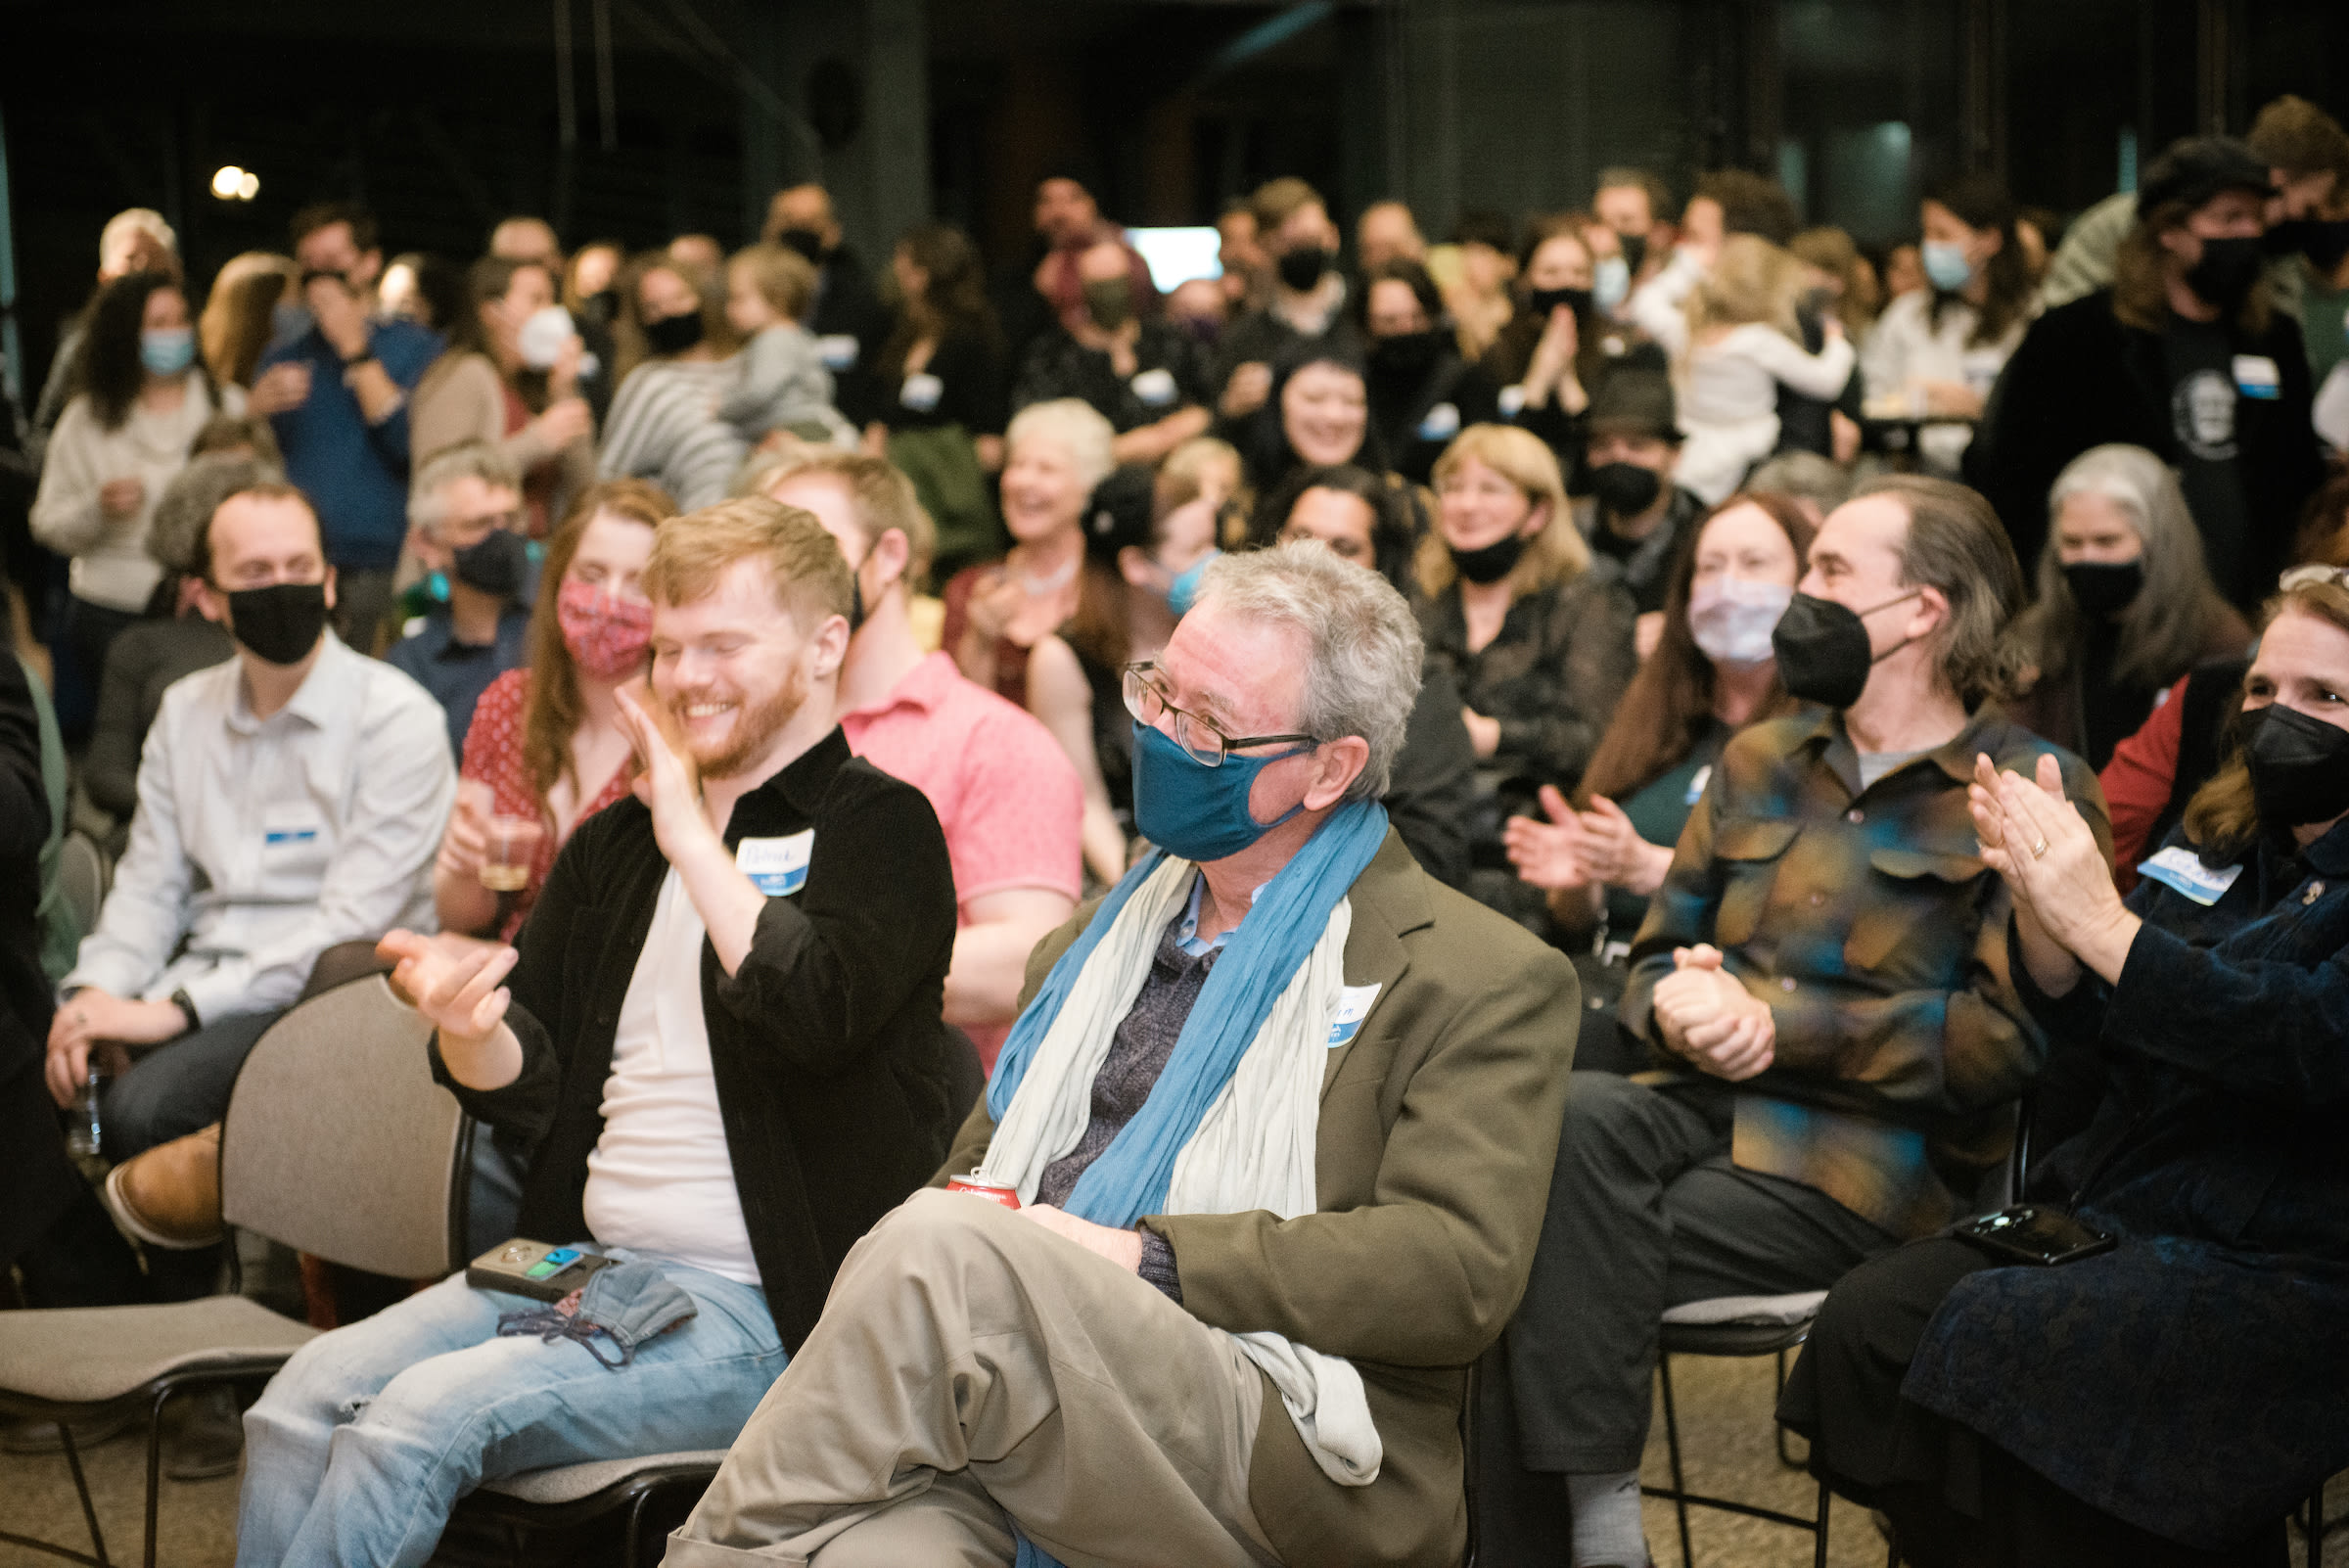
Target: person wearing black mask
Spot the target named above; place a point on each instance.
(673, 341)
(1148, 377)
(300, 787)
(1549, 361)
(467, 528)
(2125, 606)
(2190, 1112)
(1306, 302)
(2184, 355)
(1421, 392)
(848, 319)
(1635, 515)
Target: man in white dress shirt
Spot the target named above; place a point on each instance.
(289, 800)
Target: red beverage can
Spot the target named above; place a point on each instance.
(992, 1191)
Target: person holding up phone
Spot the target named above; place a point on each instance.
(720, 1032)
(2170, 1399)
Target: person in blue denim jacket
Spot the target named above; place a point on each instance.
(2167, 1401)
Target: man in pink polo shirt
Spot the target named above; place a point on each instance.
(1003, 790)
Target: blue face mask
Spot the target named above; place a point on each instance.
(1183, 592)
(1610, 281)
(1191, 811)
(1946, 265)
(167, 350)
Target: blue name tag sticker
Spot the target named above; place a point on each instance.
(1155, 386)
(2181, 869)
(1353, 1005)
(838, 350)
(921, 392)
(1442, 424)
(776, 867)
(1696, 785)
(290, 824)
(2256, 376)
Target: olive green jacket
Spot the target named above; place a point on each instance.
(1439, 1126)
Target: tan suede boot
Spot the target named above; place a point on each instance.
(170, 1195)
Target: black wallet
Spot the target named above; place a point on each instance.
(536, 1268)
(2029, 1233)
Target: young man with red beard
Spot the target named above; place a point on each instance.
(721, 1032)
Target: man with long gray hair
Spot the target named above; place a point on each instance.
(1269, 1141)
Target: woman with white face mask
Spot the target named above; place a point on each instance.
(143, 394)
(1600, 856)
(1936, 351)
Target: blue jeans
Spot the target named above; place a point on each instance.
(362, 1445)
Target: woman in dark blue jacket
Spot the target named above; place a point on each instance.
(2169, 1399)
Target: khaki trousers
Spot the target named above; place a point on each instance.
(971, 1369)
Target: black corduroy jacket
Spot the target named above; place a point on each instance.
(832, 1064)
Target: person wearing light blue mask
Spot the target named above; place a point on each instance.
(120, 443)
(1936, 351)
(1161, 1104)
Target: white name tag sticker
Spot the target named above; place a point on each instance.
(1696, 785)
(837, 350)
(776, 867)
(921, 392)
(290, 824)
(2181, 868)
(1353, 1005)
(1155, 388)
(1512, 401)
(2255, 376)
(1442, 424)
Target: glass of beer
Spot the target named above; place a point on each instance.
(513, 843)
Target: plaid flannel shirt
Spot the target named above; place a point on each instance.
(1868, 923)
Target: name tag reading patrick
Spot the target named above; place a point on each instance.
(2182, 869)
(776, 867)
(1353, 1005)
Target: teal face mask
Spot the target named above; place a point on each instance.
(1183, 592)
(1193, 812)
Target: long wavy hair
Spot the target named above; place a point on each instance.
(109, 372)
(953, 300)
(1556, 554)
(2223, 818)
(551, 713)
(234, 330)
(2175, 614)
(1981, 202)
(1670, 701)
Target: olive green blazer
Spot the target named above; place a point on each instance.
(1439, 1126)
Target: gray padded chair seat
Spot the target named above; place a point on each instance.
(1779, 1312)
(85, 1355)
(569, 1482)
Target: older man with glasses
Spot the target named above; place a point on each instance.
(1267, 1147)
(466, 528)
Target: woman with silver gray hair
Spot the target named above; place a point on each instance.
(2124, 607)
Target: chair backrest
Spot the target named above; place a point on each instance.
(81, 879)
(339, 1143)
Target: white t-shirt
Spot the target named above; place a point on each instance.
(659, 1180)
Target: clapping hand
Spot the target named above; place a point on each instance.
(1616, 853)
(2039, 843)
(1705, 1014)
(669, 781)
(1548, 854)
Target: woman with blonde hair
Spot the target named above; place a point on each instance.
(1741, 342)
(2124, 603)
(235, 326)
(1536, 635)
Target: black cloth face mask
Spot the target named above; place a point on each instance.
(2101, 588)
(1635, 251)
(1490, 563)
(1626, 489)
(1301, 268)
(1823, 652)
(494, 564)
(281, 623)
(1405, 353)
(2228, 269)
(674, 334)
(806, 242)
(1539, 302)
(2300, 767)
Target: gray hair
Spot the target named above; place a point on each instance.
(193, 494)
(1806, 477)
(476, 460)
(2164, 627)
(1078, 426)
(1362, 674)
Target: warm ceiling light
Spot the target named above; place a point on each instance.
(248, 186)
(233, 184)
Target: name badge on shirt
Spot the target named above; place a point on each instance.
(2255, 376)
(1442, 424)
(838, 350)
(921, 392)
(1155, 388)
(1696, 785)
(1353, 1005)
(776, 867)
(292, 823)
(1511, 401)
(2181, 868)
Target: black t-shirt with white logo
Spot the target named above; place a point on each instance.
(2201, 360)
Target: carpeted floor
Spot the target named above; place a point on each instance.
(1723, 1405)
